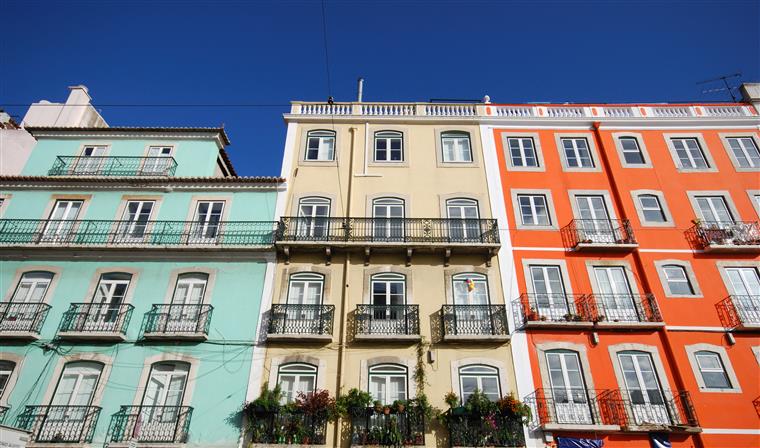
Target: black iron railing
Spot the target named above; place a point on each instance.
(22, 316)
(656, 407)
(396, 428)
(3, 412)
(59, 424)
(601, 232)
(387, 320)
(474, 320)
(283, 427)
(113, 166)
(389, 230)
(178, 319)
(96, 318)
(472, 429)
(624, 308)
(736, 234)
(739, 310)
(301, 319)
(108, 233)
(576, 406)
(552, 308)
(151, 424)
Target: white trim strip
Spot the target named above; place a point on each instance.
(690, 328)
(740, 431)
(562, 249)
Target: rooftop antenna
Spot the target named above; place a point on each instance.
(725, 79)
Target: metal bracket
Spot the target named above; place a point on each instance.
(328, 256)
(409, 256)
(367, 252)
(286, 253)
(447, 257)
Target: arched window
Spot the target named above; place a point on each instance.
(163, 396)
(470, 289)
(77, 383)
(305, 288)
(464, 222)
(642, 387)
(482, 378)
(388, 382)
(313, 217)
(651, 208)
(320, 146)
(32, 287)
(389, 146)
(456, 147)
(712, 370)
(6, 370)
(388, 300)
(190, 288)
(295, 378)
(568, 387)
(388, 218)
(677, 280)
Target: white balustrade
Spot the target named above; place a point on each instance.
(671, 111)
(450, 110)
(392, 110)
(565, 112)
(723, 111)
(514, 111)
(325, 109)
(618, 111)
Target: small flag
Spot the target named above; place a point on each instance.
(470, 284)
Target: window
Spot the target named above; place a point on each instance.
(642, 388)
(577, 153)
(32, 287)
(305, 288)
(190, 289)
(158, 160)
(631, 151)
(522, 152)
(464, 222)
(313, 213)
(568, 387)
(320, 146)
(651, 208)
(91, 160)
(388, 297)
(134, 223)
(388, 218)
(534, 210)
(295, 379)
(207, 221)
(484, 379)
(456, 147)
(61, 220)
(549, 290)
(6, 370)
(712, 370)
(163, 396)
(76, 386)
(470, 289)
(106, 302)
(677, 280)
(615, 297)
(389, 146)
(745, 151)
(714, 209)
(689, 153)
(388, 383)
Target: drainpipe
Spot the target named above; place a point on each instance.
(664, 336)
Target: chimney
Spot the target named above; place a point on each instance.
(360, 93)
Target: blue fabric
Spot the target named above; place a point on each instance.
(660, 440)
(567, 442)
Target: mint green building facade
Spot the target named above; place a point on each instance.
(133, 263)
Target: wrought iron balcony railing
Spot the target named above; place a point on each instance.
(370, 427)
(560, 407)
(387, 320)
(113, 233)
(599, 233)
(612, 308)
(178, 320)
(469, 429)
(3, 412)
(739, 311)
(388, 230)
(96, 318)
(729, 236)
(113, 166)
(552, 308)
(281, 427)
(151, 424)
(474, 320)
(295, 319)
(658, 408)
(22, 317)
(59, 424)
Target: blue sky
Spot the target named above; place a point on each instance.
(268, 52)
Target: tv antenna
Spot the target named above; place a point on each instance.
(725, 79)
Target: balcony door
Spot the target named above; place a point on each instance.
(304, 300)
(388, 300)
(91, 161)
(160, 404)
(134, 224)
(388, 219)
(615, 297)
(313, 218)
(24, 307)
(571, 403)
(472, 311)
(643, 389)
(550, 297)
(206, 224)
(464, 220)
(745, 287)
(185, 309)
(595, 225)
(73, 394)
(387, 383)
(714, 211)
(103, 314)
(158, 161)
(295, 379)
(61, 221)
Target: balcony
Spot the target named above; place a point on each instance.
(396, 428)
(270, 427)
(485, 323)
(178, 322)
(553, 311)
(471, 429)
(626, 311)
(59, 424)
(295, 322)
(727, 236)
(599, 235)
(149, 425)
(740, 312)
(387, 322)
(50, 233)
(22, 320)
(113, 166)
(655, 410)
(95, 322)
(3, 412)
(576, 409)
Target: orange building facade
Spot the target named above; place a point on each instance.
(633, 248)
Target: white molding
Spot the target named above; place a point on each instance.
(695, 328)
(737, 431)
(107, 133)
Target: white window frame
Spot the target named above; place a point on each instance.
(388, 136)
(533, 204)
(636, 198)
(753, 138)
(703, 148)
(306, 278)
(591, 145)
(692, 352)
(658, 209)
(461, 154)
(478, 372)
(323, 135)
(523, 152)
(6, 371)
(297, 370)
(671, 278)
(389, 371)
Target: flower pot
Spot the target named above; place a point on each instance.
(386, 411)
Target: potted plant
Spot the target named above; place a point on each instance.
(378, 406)
(399, 406)
(451, 399)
